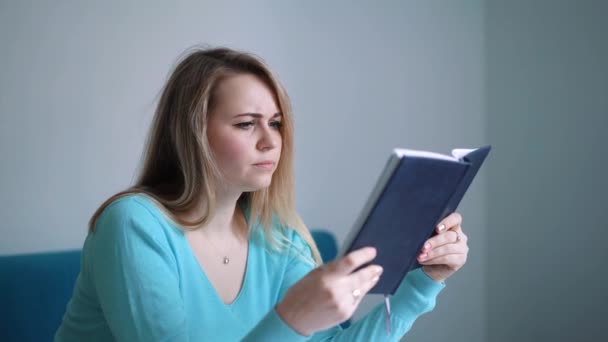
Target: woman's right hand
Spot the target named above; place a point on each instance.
(329, 294)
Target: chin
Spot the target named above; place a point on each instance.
(256, 186)
(263, 186)
(254, 189)
(255, 181)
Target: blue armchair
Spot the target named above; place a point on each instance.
(35, 289)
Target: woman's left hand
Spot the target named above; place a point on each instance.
(446, 252)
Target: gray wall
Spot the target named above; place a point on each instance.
(547, 115)
(79, 83)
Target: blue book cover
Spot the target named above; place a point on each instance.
(415, 191)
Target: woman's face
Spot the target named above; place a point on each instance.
(244, 132)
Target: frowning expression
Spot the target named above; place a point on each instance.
(244, 132)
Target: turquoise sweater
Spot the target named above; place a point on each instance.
(140, 281)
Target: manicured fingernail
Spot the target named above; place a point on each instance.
(441, 227)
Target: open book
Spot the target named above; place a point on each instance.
(415, 191)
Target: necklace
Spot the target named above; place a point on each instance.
(225, 258)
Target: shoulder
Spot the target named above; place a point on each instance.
(297, 246)
(130, 215)
(297, 239)
(286, 233)
(281, 235)
(128, 207)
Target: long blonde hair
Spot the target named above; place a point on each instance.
(178, 167)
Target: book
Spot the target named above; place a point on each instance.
(415, 191)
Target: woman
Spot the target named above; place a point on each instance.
(207, 244)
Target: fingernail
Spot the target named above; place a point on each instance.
(427, 245)
(423, 255)
(378, 270)
(441, 227)
(375, 279)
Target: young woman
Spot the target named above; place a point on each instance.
(207, 246)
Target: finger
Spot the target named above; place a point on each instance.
(451, 260)
(366, 278)
(352, 261)
(447, 249)
(454, 219)
(453, 236)
(365, 275)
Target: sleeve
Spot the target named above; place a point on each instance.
(135, 275)
(415, 296)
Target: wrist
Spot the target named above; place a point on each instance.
(433, 275)
(288, 318)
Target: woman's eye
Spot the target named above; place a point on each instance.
(276, 124)
(244, 125)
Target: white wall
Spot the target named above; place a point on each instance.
(547, 105)
(78, 85)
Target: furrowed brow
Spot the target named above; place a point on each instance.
(258, 115)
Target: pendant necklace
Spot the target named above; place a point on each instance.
(225, 258)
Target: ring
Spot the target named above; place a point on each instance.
(356, 293)
(457, 236)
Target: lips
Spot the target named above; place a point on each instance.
(266, 164)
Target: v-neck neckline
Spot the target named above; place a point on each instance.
(190, 251)
(204, 275)
(208, 281)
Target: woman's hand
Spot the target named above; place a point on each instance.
(446, 252)
(329, 294)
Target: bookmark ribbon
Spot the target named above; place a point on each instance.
(387, 314)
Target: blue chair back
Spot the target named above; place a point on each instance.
(326, 242)
(34, 291)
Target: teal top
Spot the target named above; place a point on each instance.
(140, 281)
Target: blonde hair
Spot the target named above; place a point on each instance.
(178, 167)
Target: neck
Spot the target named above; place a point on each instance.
(225, 222)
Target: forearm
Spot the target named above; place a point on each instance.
(273, 328)
(415, 296)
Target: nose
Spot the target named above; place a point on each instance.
(269, 139)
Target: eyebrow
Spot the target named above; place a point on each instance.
(258, 115)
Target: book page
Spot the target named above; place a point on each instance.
(457, 153)
(401, 152)
(461, 152)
